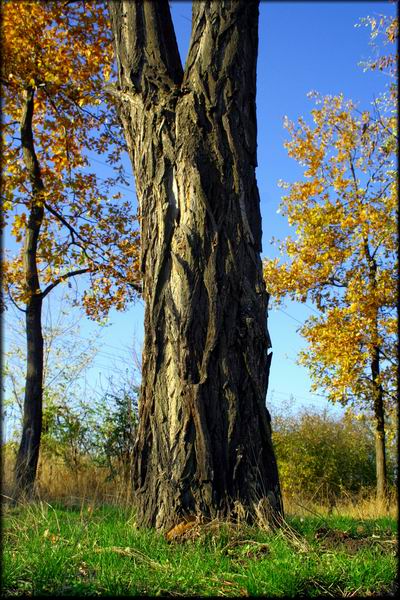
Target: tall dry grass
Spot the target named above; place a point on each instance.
(363, 505)
(87, 482)
(57, 481)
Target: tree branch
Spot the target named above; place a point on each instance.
(137, 287)
(334, 282)
(64, 277)
(385, 357)
(14, 303)
(71, 229)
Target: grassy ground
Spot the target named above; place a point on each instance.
(86, 550)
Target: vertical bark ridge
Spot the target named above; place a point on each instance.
(204, 437)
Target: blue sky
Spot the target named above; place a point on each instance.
(303, 46)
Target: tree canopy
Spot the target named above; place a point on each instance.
(56, 57)
(343, 255)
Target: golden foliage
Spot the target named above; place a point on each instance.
(62, 53)
(343, 256)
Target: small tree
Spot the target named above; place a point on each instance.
(65, 218)
(344, 253)
(114, 437)
(66, 358)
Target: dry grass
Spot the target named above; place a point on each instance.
(58, 482)
(363, 505)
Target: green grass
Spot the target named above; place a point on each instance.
(54, 550)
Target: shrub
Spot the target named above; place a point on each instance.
(321, 456)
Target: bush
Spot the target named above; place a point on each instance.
(101, 431)
(114, 436)
(321, 457)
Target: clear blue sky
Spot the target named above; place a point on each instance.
(303, 46)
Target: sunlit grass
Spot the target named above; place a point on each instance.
(86, 550)
(80, 537)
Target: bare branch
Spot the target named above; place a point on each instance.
(14, 303)
(64, 277)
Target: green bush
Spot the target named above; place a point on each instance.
(102, 431)
(114, 435)
(321, 456)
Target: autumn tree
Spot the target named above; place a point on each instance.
(63, 216)
(204, 438)
(343, 253)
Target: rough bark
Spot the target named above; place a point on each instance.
(379, 414)
(204, 438)
(377, 391)
(28, 453)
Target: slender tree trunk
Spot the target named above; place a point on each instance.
(204, 437)
(377, 390)
(380, 447)
(28, 453)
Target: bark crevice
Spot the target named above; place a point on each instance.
(204, 439)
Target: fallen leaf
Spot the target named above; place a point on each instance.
(181, 528)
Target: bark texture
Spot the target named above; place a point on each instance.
(204, 439)
(379, 414)
(377, 391)
(28, 452)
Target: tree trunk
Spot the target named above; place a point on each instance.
(204, 437)
(28, 453)
(380, 453)
(377, 390)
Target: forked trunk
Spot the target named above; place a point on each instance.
(204, 439)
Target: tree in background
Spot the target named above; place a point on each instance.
(204, 436)
(115, 435)
(65, 218)
(386, 29)
(67, 357)
(344, 253)
(322, 457)
(90, 431)
(84, 425)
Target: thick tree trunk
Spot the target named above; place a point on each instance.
(380, 450)
(28, 453)
(204, 439)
